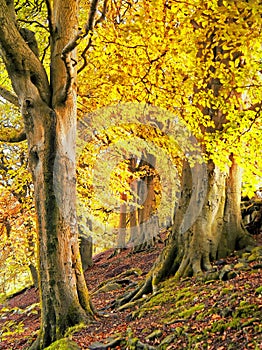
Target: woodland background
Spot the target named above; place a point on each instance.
(158, 82)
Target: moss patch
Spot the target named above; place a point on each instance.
(63, 344)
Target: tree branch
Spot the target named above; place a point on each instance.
(49, 16)
(13, 136)
(99, 20)
(81, 34)
(90, 24)
(40, 25)
(16, 52)
(255, 107)
(8, 96)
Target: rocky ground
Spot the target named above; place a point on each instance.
(214, 314)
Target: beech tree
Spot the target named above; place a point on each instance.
(120, 170)
(47, 101)
(198, 60)
(202, 62)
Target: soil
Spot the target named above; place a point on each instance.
(20, 315)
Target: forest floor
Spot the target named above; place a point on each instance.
(218, 314)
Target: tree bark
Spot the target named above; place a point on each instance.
(197, 240)
(134, 221)
(144, 234)
(50, 124)
(121, 237)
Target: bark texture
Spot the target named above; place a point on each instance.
(141, 215)
(207, 226)
(49, 112)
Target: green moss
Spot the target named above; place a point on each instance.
(167, 296)
(63, 344)
(221, 325)
(246, 310)
(241, 266)
(189, 312)
(131, 343)
(131, 339)
(257, 250)
(245, 256)
(179, 330)
(157, 333)
(206, 313)
(109, 287)
(74, 329)
(225, 291)
(250, 322)
(259, 290)
(183, 294)
(233, 297)
(253, 257)
(145, 330)
(184, 301)
(167, 340)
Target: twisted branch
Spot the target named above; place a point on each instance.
(90, 24)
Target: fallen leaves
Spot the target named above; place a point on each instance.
(215, 315)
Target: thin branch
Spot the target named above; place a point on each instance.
(49, 16)
(124, 45)
(99, 20)
(8, 96)
(90, 24)
(13, 136)
(81, 34)
(40, 25)
(73, 44)
(83, 55)
(255, 107)
(44, 52)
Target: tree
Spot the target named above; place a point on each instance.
(118, 182)
(202, 62)
(190, 58)
(17, 189)
(118, 166)
(48, 107)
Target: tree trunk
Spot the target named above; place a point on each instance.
(134, 222)
(121, 237)
(197, 240)
(50, 124)
(146, 215)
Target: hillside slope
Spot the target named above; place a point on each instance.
(190, 314)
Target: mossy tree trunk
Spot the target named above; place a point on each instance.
(49, 113)
(197, 240)
(202, 233)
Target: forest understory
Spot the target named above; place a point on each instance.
(187, 314)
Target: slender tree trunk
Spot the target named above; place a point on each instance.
(121, 237)
(147, 198)
(134, 222)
